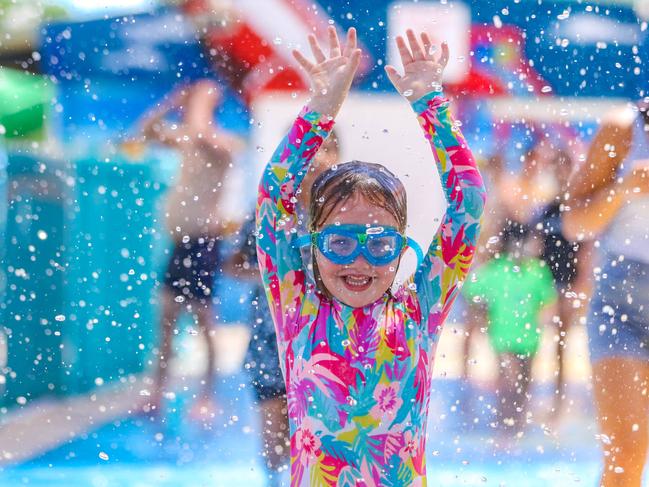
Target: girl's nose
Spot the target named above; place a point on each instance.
(359, 263)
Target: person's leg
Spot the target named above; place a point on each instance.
(514, 385)
(205, 323)
(506, 390)
(475, 317)
(524, 379)
(567, 316)
(620, 389)
(170, 311)
(275, 435)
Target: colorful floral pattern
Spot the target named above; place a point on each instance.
(358, 380)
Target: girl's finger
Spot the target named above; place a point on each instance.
(315, 49)
(304, 62)
(443, 59)
(393, 75)
(404, 52)
(355, 59)
(428, 45)
(334, 44)
(350, 43)
(415, 48)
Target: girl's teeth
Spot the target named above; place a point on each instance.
(357, 281)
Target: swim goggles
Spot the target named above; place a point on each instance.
(342, 244)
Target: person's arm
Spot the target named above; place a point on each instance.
(153, 125)
(242, 264)
(450, 253)
(594, 195)
(590, 216)
(280, 261)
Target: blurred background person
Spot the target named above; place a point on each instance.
(567, 260)
(513, 287)
(262, 358)
(609, 202)
(489, 243)
(194, 221)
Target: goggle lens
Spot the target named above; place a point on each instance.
(383, 247)
(342, 245)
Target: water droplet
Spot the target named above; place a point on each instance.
(103, 456)
(408, 93)
(603, 438)
(546, 89)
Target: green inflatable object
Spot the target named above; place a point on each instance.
(25, 99)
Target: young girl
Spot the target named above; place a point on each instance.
(357, 358)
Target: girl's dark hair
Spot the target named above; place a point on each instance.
(372, 181)
(337, 184)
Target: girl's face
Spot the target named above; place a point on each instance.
(359, 283)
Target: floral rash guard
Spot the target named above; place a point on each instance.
(358, 379)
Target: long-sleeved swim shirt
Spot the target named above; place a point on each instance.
(358, 380)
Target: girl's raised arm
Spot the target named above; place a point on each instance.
(279, 261)
(450, 253)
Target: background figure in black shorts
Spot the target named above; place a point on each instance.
(262, 359)
(564, 258)
(194, 221)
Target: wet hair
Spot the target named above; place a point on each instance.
(372, 181)
(339, 183)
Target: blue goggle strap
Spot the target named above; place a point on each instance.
(307, 239)
(415, 246)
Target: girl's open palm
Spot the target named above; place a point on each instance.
(331, 76)
(422, 68)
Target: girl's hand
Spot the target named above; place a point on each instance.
(422, 69)
(332, 76)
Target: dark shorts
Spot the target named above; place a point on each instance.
(192, 269)
(560, 255)
(618, 321)
(558, 252)
(262, 358)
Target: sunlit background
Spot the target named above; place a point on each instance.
(83, 243)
